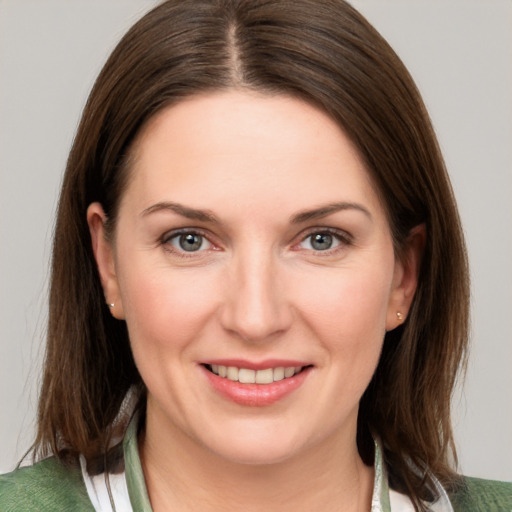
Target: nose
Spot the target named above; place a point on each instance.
(256, 307)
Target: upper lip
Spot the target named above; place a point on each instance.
(256, 365)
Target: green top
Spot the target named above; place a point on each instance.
(44, 487)
(49, 486)
(483, 496)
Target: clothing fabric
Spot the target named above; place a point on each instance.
(51, 486)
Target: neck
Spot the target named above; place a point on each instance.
(328, 477)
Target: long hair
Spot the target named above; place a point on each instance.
(325, 53)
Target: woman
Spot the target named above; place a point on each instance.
(259, 285)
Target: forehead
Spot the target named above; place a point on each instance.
(233, 146)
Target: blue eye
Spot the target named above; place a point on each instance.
(188, 242)
(321, 241)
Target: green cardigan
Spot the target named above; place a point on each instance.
(48, 486)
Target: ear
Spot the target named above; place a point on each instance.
(104, 256)
(405, 278)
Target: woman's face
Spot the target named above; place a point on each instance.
(251, 245)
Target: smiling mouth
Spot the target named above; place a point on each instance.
(248, 376)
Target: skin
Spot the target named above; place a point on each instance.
(256, 289)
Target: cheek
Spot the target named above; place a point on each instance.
(348, 312)
(164, 308)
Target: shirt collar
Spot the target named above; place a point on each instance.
(380, 496)
(133, 469)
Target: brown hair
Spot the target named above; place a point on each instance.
(325, 53)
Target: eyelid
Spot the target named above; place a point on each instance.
(182, 231)
(169, 235)
(343, 236)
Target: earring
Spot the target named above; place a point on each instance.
(110, 305)
(400, 316)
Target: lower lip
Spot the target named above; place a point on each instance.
(256, 395)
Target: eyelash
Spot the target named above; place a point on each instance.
(168, 237)
(344, 239)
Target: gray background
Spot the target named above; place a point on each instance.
(459, 52)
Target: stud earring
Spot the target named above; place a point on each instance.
(110, 305)
(400, 316)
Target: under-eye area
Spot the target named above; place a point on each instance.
(249, 376)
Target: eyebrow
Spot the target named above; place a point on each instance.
(299, 218)
(329, 209)
(184, 211)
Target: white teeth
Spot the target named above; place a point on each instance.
(265, 376)
(278, 373)
(232, 373)
(289, 371)
(246, 376)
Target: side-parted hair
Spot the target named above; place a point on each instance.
(325, 53)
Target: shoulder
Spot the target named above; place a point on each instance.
(48, 485)
(478, 495)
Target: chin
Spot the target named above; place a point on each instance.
(256, 449)
(256, 457)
